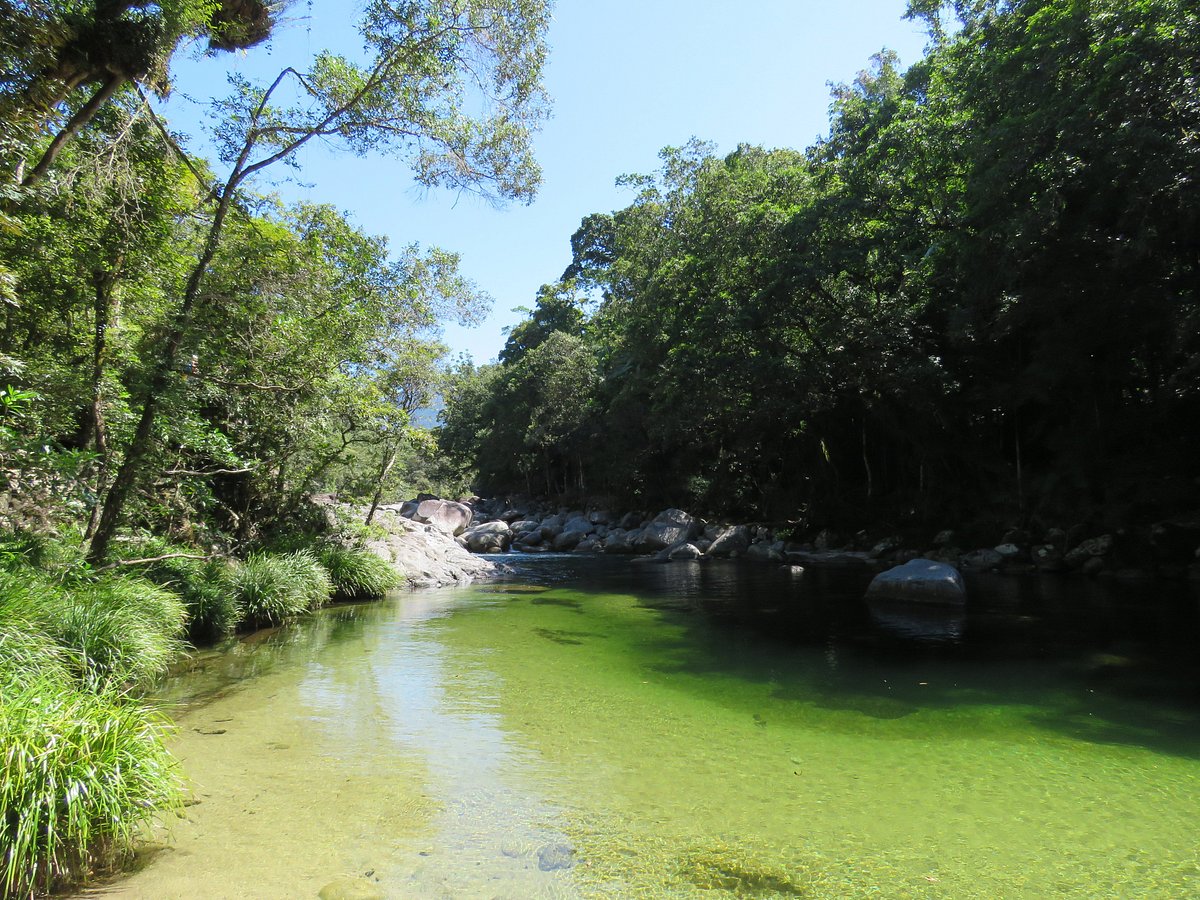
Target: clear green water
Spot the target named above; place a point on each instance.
(693, 731)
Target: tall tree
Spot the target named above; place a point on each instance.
(430, 63)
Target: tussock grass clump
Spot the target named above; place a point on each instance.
(212, 609)
(270, 588)
(19, 551)
(356, 573)
(82, 763)
(118, 631)
(80, 771)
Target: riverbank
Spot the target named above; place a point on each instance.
(86, 767)
(1162, 550)
(422, 549)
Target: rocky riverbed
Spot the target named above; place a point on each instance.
(425, 550)
(1164, 550)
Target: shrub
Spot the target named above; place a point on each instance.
(80, 773)
(271, 588)
(357, 573)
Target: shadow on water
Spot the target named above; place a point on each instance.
(557, 601)
(1093, 661)
(566, 636)
(209, 674)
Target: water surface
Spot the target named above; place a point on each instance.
(594, 727)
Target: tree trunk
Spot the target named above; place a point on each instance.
(143, 436)
(867, 460)
(94, 427)
(388, 462)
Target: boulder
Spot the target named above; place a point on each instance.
(829, 559)
(668, 528)
(1093, 548)
(1048, 558)
(766, 552)
(1176, 539)
(684, 551)
(981, 560)
(567, 540)
(528, 538)
(427, 557)
(444, 515)
(551, 527)
(735, 539)
(600, 517)
(943, 538)
(581, 524)
(826, 540)
(556, 856)
(887, 545)
(948, 554)
(921, 581)
(347, 888)
(621, 541)
(490, 537)
(1055, 536)
(1008, 551)
(630, 521)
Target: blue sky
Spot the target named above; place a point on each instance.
(628, 77)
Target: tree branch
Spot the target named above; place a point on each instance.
(174, 145)
(82, 116)
(153, 559)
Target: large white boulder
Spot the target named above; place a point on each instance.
(670, 527)
(728, 541)
(919, 581)
(444, 515)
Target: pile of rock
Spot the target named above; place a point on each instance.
(491, 526)
(420, 540)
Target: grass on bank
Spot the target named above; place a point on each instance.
(357, 574)
(83, 764)
(118, 632)
(270, 588)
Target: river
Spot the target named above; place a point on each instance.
(595, 727)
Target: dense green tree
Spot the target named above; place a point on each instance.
(557, 308)
(64, 62)
(976, 292)
(411, 97)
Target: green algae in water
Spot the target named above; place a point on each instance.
(690, 762)
(453, 735)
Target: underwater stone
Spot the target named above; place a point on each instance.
(346, 888)
(556, 856)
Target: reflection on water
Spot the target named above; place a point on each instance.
(600, 728)
(918, 621)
